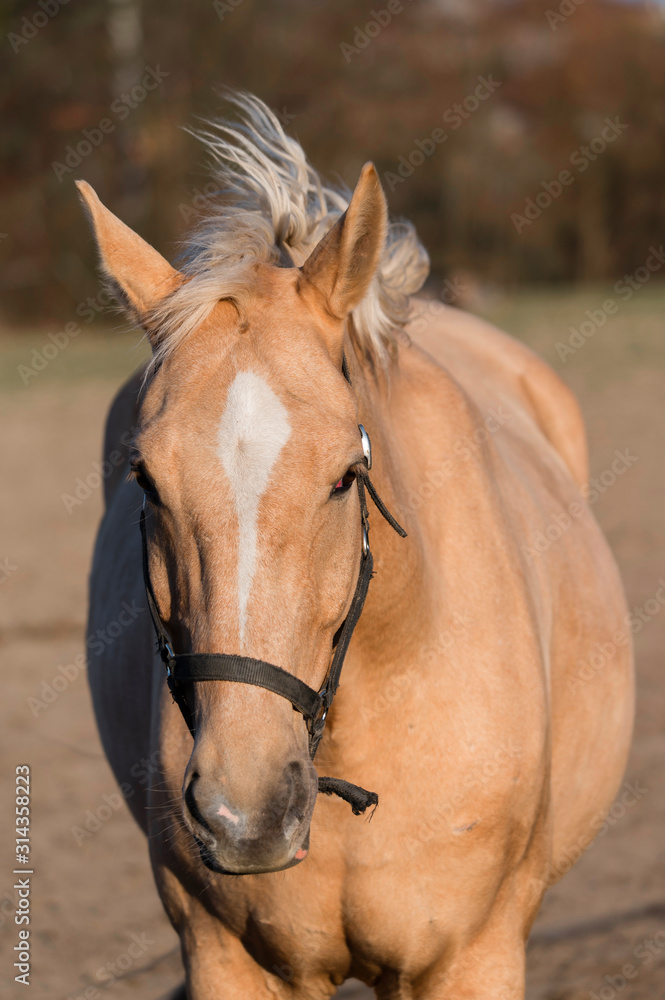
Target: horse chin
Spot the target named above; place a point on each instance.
(236, 867)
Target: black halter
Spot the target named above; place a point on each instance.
(185, 668)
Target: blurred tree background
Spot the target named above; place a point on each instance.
(102, 90)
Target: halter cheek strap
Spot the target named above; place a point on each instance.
(187, 668)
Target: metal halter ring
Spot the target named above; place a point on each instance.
(367, 446)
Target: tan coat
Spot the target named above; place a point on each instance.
(463, 701)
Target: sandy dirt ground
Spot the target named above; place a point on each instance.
(97, 925)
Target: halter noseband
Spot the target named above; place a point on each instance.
(185, 668)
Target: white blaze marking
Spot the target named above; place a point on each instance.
(253, 430)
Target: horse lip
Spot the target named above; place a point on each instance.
(213, 865)
(201, 834)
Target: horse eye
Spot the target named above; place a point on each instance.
(144, 480)
(344, 483)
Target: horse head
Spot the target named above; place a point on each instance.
(246, 448)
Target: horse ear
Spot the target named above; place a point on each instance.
(341, 267)
(140, 277)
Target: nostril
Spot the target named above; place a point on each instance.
(190, 802)
(299, 796)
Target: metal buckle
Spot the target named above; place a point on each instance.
(367, 446)
(365, 542)
(316, 724)
(168, 649)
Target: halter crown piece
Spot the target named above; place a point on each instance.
(186, 668)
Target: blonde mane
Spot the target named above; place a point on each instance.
(273, 207)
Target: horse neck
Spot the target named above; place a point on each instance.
(399, 598)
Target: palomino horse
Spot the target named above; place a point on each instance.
(464, 701)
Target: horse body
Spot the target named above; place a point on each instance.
(461, 702)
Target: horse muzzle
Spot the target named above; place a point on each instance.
(267, 836)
